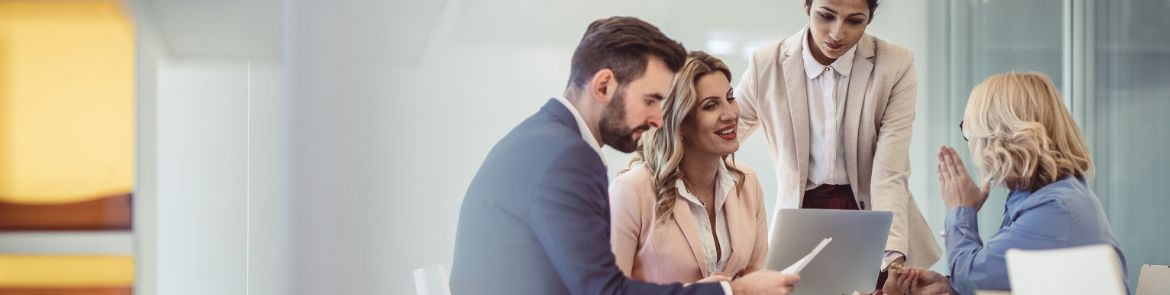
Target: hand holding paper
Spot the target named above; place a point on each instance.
(795, 268)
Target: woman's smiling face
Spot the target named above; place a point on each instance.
(711, 126)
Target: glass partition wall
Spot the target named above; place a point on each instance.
(1111, 61)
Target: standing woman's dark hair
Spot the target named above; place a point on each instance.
(873, 4)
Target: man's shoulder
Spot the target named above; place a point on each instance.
(536, 139)
(540, 150)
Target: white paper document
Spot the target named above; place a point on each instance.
(800, 264)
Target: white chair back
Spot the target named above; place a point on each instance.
(1081, 270)
(431, 280)
(1154, 280)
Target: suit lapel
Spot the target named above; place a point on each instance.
(797, 99)
(690, 230)
(855, 103)
(735, 226)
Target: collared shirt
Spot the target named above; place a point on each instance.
(826, 89)
(723, 185)
(1062, 214)
(586, 134)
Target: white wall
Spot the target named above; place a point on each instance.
(394, 105)
(220, 208)
(147, 51)
(268, 251)
(210, 203)
(201, 177)
(219, 212)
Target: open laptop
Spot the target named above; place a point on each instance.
(851, 262)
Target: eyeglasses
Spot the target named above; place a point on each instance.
(961, 131)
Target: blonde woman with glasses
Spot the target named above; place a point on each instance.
(1022, 138)
(686, 212)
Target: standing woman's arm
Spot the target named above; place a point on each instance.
(891, 161)
(746, 96)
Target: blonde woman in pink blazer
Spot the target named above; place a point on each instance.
(685, 212)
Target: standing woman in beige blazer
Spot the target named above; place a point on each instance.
(837, 108)
(686, 212)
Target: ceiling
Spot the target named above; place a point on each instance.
(214, 28)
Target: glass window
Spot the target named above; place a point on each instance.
(1127, 126)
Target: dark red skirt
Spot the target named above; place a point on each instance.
(829, 196)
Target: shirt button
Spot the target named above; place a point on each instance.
(826, 69)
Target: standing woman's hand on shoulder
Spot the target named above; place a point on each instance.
(957, 187)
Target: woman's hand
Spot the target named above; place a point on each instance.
(957, 187)
(912, 280)
(765, 281)
(897, 277)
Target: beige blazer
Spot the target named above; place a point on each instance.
(670, 251)
(879, 114)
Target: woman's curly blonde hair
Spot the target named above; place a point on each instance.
(661, 149)
(1021, 134)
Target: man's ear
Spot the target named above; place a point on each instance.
(603, 85)
(806, 10)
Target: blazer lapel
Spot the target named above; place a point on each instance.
(797, 99)
(690, 230)
(735, 228)
(855, 104)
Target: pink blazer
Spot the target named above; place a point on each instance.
(670, 251)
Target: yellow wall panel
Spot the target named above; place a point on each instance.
(66, 100)
(65, 271)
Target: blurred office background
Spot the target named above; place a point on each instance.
(323, 147)
(67, 130)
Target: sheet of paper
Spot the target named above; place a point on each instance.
(795, 268)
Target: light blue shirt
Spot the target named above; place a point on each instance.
(1060, 215)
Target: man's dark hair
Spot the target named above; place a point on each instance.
(622, 44)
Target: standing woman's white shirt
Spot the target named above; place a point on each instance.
(827, 86)
(872, 106)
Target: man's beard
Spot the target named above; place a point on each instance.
(614, 131)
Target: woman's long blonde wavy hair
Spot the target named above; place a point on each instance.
(661, 149)
(1021, 134)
